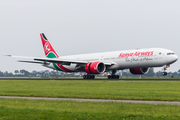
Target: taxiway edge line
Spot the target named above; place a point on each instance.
(93, 100)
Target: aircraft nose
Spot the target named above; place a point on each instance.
(175, 57)
(172, 58)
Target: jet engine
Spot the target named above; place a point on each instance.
(95, 68)
(139, 70)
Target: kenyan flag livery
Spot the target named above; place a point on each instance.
(50, 53)
(48, 49)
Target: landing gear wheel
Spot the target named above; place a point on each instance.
(84, 76)
(113, 76)
(109, 76)
(88, 76)
(117, 76)
(164, 73)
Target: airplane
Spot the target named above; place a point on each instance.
(138, 61)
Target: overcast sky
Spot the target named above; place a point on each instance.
(81, 26)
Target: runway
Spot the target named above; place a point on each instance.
(121, 79)
(94, 100)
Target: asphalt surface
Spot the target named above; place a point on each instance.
(126, 79)
(93, 100)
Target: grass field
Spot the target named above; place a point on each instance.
(20, 109)
(135, 90)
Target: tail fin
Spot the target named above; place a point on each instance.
(48, 49)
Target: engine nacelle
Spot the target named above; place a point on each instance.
(139, 70)
(95, 68)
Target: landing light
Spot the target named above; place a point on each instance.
(167, 66)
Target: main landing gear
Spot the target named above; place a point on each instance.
(88, 76)
(113, 76)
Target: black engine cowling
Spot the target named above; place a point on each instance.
(139, 70)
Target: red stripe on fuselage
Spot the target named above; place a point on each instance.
(63, 68)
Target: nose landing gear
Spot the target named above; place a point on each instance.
(164, 69)
(164, 73)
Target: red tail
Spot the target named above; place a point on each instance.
(48, 49)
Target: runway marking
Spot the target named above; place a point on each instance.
(94, 100)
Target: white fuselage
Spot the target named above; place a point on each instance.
(139, 58)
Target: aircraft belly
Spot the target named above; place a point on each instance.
(139, 63)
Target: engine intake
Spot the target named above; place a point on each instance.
(139, 70)
(95, 68)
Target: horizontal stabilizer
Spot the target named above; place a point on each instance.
(20, 56)
(31, 62)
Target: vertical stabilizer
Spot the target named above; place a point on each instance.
(48, 49)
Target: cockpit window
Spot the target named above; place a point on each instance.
(170, 53)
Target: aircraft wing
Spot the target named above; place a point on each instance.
(60, 61)
(56, 60)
